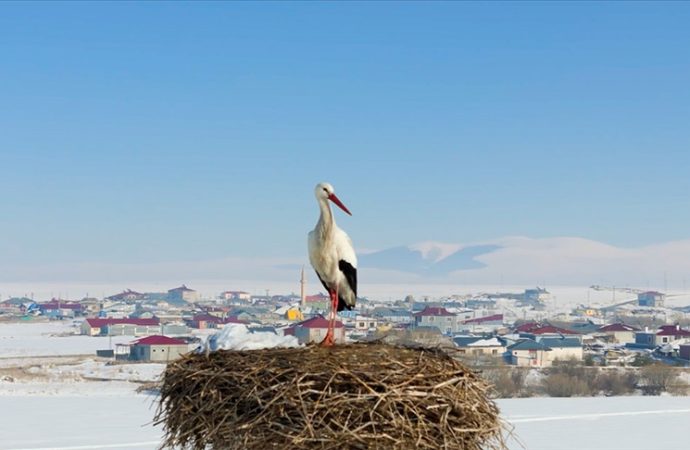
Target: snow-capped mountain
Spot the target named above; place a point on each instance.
(428, 258)
(566, 260)
(510, 260)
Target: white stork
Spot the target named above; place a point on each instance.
(333, 258)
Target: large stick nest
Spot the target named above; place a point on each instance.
(360, 396)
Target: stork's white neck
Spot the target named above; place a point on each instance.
(326, 220)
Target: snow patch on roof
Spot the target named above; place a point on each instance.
(492, 342)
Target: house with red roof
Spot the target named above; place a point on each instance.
(157, 348)
(120, 327)
(483, 324)
(618, 332)
(665, 334)
(318, 302)
(320, 297)
(438, 317)
(314, 330)
(526, 327)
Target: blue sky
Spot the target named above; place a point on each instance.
(148, 132)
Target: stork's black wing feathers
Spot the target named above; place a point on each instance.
(324, 284)
(351, 276)
(350, 273)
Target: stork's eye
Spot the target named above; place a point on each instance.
(325, 190)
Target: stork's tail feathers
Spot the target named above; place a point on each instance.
(342, 304)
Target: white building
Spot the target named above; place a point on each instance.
(563, 348)
(183, 293)
(363, 323)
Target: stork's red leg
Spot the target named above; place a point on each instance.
(329, 340)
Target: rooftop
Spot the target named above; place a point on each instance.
(318, 322)
(182, 288)
(528, 344)
(434, 311)
(491, 342)
(550, 329)
(99, 323)
(492, 318)
(617, 327)
(158, 340)
(561, 342)
(672, 330)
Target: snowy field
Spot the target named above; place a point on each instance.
(599, 423)
(72, 422)
(57, 338)
(78, 422)
(54, 397)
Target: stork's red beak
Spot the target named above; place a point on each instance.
(337, 201)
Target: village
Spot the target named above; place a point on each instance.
(484, 330)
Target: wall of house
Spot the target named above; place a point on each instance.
(490, 351)
(175, 329)
(447, 324)
(528, 358)
(365, 323)
(158, 353)
(88, 331)
(190, 296)
(646, 339)
(624, 337)
(566, 353)
(397, 318)
(485, 327)
(660, 340)
(125, 329)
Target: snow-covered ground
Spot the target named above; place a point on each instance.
(599, 423)
(48, 359)
(51, 339)
(79, 422)
(54, 397)
(73, 422)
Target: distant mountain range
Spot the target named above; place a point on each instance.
(568, 261)
(557, 260)
(429, 260)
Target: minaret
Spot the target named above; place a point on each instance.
(303, 296)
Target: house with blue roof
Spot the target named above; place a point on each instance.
(529, 353)
(393, 315)
(478, 345)
(563, 348)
